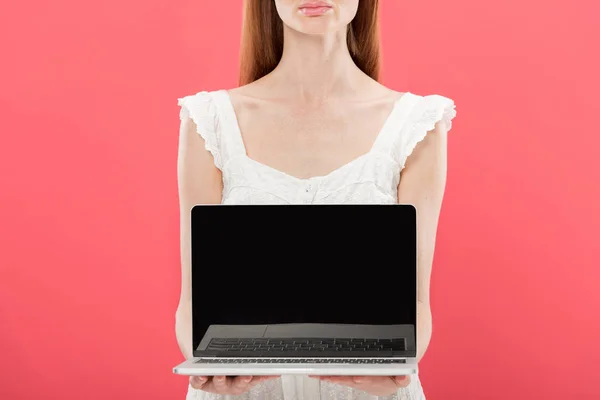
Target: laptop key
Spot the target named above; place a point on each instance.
(219, 346)
(302, 361)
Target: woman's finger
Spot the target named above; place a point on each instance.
(198, 382)
(368, 380)
(227, 384)
(401, 381)
(259, 379)
(241, 384)
(340, 380)
(376, 385)
(221, 384)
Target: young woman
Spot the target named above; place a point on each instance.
(311, 124)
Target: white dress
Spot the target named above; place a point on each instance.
(372, 178)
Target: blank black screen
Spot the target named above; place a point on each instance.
(271, 264)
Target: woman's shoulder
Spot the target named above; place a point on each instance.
(428, 110)
(427, 104)
(196, 106)
(201, 109)
(205, 99)
(424, 110)
(202, 95)
(434, 99)
(424, 97)
(442, 106)
(201, 104)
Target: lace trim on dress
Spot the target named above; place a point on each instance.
(437, 108)
(201, 109)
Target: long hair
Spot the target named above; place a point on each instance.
(262, 39)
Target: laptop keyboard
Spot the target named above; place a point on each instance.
(305, 345)
(301, 361)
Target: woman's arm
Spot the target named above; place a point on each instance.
(200, 182)
(422, 185)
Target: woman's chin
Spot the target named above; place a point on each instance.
(316, 26)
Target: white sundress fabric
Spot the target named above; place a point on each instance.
(372, 178)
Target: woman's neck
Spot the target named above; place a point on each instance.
(315, 68)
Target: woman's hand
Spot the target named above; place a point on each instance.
(374, 385)
(231, 385)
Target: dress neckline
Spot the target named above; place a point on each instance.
(234, 125)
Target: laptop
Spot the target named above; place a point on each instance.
(303, 289)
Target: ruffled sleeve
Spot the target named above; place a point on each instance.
(200, 108)
(430, 110)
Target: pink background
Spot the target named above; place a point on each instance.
(89, 238)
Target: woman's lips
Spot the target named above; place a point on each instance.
(315, 9)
